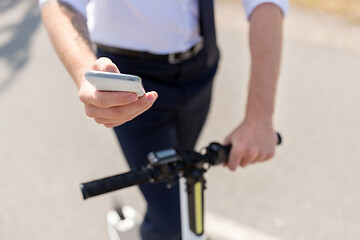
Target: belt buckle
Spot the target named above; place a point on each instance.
(175, 58)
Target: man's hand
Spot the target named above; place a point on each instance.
(73, 45)
(112, 108)
(251, 142)
(255, 140)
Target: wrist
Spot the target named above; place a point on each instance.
(264, 120)
(79, 76)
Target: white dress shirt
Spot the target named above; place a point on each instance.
(156, 26)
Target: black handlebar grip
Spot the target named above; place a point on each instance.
(279, 138)
(221, 153)
(109, 184)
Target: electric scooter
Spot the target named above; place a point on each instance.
(168, 166)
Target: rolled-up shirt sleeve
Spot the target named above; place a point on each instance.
(79, 5)
(250, 5)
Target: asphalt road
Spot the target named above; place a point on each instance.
(310, 190)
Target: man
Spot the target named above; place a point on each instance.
(171, 45)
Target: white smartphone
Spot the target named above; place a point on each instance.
(107, 81)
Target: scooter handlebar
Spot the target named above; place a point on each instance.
(216, 154)
(109, 184)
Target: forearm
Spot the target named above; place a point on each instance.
(265, 48)
(68, 32)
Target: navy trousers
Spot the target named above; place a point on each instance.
(175, 120)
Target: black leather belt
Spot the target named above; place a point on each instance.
(172, 58)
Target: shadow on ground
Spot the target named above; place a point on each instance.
(15, 53)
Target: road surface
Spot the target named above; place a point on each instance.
(310, 190)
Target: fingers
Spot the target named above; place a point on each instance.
(120, 112)
(117, 115)
(243, 156)
(105, 65)
(112, 108)
(252, 156)
(237, 153)
(89, 95)
(249, 146)
(104, 99)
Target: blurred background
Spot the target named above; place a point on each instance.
(347, 9)
(310, 190)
